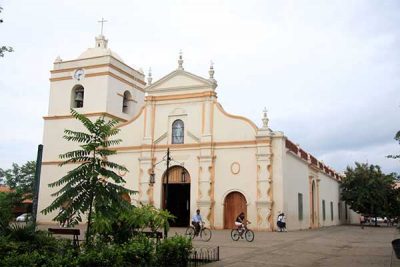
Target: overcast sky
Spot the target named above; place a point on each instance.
(327, 71)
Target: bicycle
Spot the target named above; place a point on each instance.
(204, 233)
(238, 233)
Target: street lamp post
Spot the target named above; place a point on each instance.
(152, 181)
(166, 191)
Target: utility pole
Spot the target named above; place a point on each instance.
(37, 183)
(166, 190)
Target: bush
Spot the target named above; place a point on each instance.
(24, 246)
(174, 251)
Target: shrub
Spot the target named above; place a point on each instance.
(174, 251)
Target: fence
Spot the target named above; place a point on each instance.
(203, 255)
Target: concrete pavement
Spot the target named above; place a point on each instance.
(329, 246)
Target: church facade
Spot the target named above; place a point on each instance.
(219, 163)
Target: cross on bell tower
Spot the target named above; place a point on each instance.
(102, 24)
(101, 41)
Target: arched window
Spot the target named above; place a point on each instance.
(78, 95)
(177, 132)
(126, 102)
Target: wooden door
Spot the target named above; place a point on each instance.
(234, 204)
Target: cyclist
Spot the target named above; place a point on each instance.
(241, 222)
(196, 220)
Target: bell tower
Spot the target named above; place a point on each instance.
(97, 83)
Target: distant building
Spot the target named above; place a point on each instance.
(25, 206)
(222, 164)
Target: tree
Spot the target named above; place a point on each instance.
(369, 191)
(93, 186)
(20, 178)
(4, 48)
(397, 138)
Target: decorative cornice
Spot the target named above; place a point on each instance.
(59, 117)
(179, 72)
(104, 73)
(82, 59)
(180, 96)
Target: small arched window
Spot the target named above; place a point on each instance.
(126, 102)
(78, 95)
(177, 132)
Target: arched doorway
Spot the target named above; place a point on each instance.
(234, 204)
(176, 195)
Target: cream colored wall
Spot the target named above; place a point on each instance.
(230, 128)
(95, 95)
(329, 191)
(226, 181)
(296, 181)
(49, 174)
(278, 160)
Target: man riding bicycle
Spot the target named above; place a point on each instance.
(241, 221)
(196, 221)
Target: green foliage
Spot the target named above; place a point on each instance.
(397, 138)
(4, 48)
(37, 248)
(20, 178)
(137, 252)
(7, 202)
(369, 191)
(93, 185)
(24, 246)
(126, 223)
(174, 251)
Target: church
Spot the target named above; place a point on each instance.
(183, 150)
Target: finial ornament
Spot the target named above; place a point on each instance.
(149, 78)
(180, 61)
(211, 71)
(58, 59)
(265, 118)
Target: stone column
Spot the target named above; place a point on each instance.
(205, 192)
(145, 195)
(264, 185)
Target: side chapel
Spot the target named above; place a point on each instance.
(220, 163)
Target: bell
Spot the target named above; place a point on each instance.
(79, 96)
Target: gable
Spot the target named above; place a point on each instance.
(180, 80)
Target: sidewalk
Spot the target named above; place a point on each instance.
(330, 246)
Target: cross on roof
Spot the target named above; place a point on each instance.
(102, 23)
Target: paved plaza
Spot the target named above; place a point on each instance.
(329, 246)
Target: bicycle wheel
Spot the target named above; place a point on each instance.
(190, 232)
(249, 235)
(205, 234)
(235, 235)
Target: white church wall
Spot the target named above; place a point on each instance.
(132, 132)
(329, 192)
(296, 180)
(232, 128)
(278, 151)
(230, 178)
(53, 142)
(49, 173)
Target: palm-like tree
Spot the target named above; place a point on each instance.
(93, 186)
